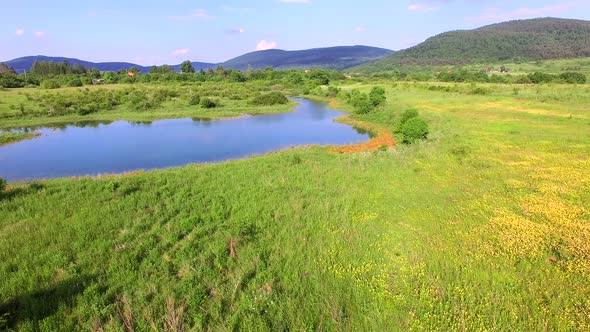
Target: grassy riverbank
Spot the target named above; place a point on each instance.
(485, 225)
(34, 107)
(9, 138)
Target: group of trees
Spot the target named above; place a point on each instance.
(48, 68)
(54, 75)
(364, 103)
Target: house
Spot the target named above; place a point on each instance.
(307, 71)
(131, 74)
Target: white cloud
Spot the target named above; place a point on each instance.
(294, 1)
(40, 34)
(421, 8)
(180, 51)
(19, 32)
(360, 29)
(197, 14)
(263, 45)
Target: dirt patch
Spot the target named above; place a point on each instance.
(383, 137)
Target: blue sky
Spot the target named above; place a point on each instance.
(169, 31)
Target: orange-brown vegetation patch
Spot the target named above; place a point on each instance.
(382, 137)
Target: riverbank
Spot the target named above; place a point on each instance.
(34, 107)
(10, 138)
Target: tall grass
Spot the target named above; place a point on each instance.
(482, 226)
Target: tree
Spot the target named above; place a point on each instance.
(187, 67)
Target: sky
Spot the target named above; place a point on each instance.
(155, 32)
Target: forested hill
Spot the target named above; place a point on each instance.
(542, 38)
(339, 57)
(26, 63)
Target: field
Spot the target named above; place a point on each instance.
(31, 107)
(555, 67)
(483, 226)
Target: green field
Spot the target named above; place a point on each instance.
(483, 226)
(581, 65)
(31, 107)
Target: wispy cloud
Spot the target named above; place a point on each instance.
(40, 34)
(235, 9)
(418, 7)
(263, 45)
(19, 32)
(294, 1)
(196, 14)
(495, 14)
(235, 31)
(180, 51)
(360, 29)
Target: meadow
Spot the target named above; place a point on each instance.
(482, 226)
(30, 107)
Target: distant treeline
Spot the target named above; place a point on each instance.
(484, 77)
(51, 75)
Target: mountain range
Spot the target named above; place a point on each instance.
(520, 40)
(340, 57)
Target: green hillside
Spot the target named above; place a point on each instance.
(523, 40)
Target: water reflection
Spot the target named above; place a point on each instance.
(94, 147)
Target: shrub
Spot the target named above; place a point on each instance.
(480, 91)
(208, 103)
(573, 78)
(269, 99)
(50, 84)
(407, 115)
(3, 183)
(362, 104)
(75, 82)
(195, 100)
(539, 77)
(360, 101)
(377, 96)
(414, 129)
(333, 91)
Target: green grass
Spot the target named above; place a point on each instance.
(581, 65)
(9, 137)
(485, 225)
(27, 108)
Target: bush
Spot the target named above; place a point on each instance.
(333, 91)
(208, 103)
(269, 99)
(480, 91)
(407, 115)
(50, 84)
(573, 78)
(414, 129)
(195, 100)
(360, 101)
(75, 82)
(377, 96)
(10, 80)
(539, 78)
(3, 183)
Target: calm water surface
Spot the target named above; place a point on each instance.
(123, 146)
